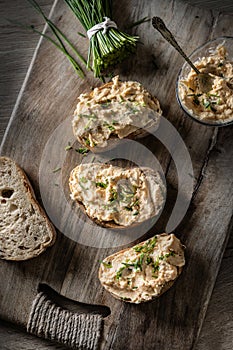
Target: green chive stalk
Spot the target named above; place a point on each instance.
(105, 50)
(61, 41)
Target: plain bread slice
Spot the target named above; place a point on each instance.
(25, 231)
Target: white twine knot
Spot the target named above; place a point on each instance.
(103, 25)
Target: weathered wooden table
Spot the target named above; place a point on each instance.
(197, 27)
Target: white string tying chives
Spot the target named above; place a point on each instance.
(103, 25)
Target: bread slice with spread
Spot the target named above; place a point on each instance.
(25, 231)
(114, 110)
(117, 197)
(145, 271)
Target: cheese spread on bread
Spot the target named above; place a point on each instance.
(116, 108)
(111, 193)
(145, 271)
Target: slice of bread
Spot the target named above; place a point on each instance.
(25, 231)
(115, 110)
(145, 271)
(117, 197)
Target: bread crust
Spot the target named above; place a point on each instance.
(32, 199)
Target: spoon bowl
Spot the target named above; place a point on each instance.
(205, 81)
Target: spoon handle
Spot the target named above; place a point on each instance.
(159, 24)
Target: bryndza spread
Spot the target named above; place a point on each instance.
(145, 271)
(111, 193)
(216, 106)
(116, 108)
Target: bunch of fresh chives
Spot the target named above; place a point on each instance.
(105, 50)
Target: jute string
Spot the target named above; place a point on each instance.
(78, 331)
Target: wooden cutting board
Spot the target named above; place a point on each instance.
(49, 97)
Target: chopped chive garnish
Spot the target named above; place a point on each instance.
(138, 248)
(67, 148)
(108, 265)
(83, 179)
(119, 273)
(144, 257)
(172, 253)
(136, 203)
(82, 150)
(149, 260)
(148, 247)
(88, 116)
(81, 34)
(195, 100)
(132, 108)
(56, 170)
(113, 195)
(214, 95)
(102, 184)
(155, 266)
(129, 208)
(109, 126)
(206, 104)
(105, 105)
(125, 298)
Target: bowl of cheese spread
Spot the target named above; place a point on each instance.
(215, 107)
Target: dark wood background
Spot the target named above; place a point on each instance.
(206, 155)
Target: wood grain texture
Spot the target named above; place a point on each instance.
(12, 337)
(224, 5)
(16, 51)
(65, 265)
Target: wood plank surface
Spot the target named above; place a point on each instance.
(16, 51)
(225, 6)
(205, 155)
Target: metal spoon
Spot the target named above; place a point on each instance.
(205, 81)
